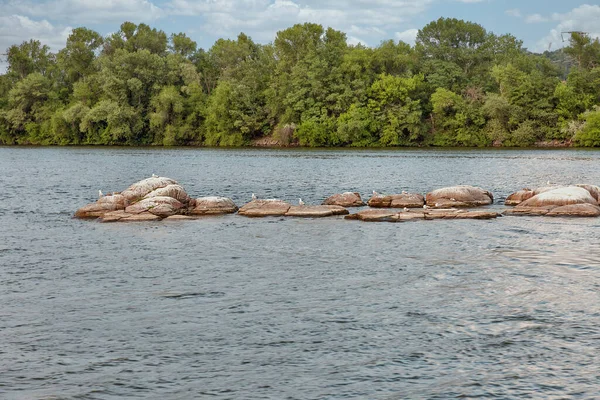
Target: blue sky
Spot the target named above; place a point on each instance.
(537, 22)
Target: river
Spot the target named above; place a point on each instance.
(236, 308)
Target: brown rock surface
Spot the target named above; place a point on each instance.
(174, 190)
(391, 216)
(213, 205)
(265, 208)
(161, 206)
(519, 197)
(575, 210)
(347, 199)
(561, 196)
(408, 200)
(122, 216)
(459, 196)
(102, 206)
(315, 211)
(140, 189)
(374, 216)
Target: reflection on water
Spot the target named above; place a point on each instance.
(292, 308)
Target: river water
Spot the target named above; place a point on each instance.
(236, 308)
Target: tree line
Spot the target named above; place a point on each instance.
(459, 85)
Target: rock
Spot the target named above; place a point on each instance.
(161, 206)
(347, 199)
(391, 216)
(575, 210)
(122, 216)
(174, 190)
(140, 189)
(265, 208)
(575, 201)
(459, 196)
(315, 211)
(593, 189)
(213, 205)
(519, 197)
(374, 216)
(408, 200)
(102, 206)
(560, 197)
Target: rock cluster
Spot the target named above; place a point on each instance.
(575, 201)
(154, 199)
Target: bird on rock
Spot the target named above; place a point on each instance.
(253, 196)
(375, 193)
(300, 202)
(154, 176)
(406, 209)
(100, 193)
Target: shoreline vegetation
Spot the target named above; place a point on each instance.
(458, 86)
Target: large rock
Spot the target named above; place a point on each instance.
(315, 211)
(347, 199)
(519, 197)
(593, 189)
(571, 201)
(408, 200)
(265, 208)
(102, 206)
(140, 189)
(375, 216)
(161, 206)
(459, 196)
(173, 190)
(213, 205)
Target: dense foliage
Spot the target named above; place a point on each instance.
(458, 86)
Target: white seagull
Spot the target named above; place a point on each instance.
(253, 196)
(154, 176)
(404, 192)
(425, 206)
(300, 202)
(100, 193)
(375, 193)
(406, 209)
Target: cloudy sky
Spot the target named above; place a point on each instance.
(537, 22)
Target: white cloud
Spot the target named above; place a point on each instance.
(82, 12)
(583, 18)
(15, 29)
(514, 12)
(369, 20)
(535, 18)
(408, 36)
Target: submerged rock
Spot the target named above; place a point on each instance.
(213, 205)
(459, 196)
(408, 200)
(265, 208)
(575, 201)
(346, 199)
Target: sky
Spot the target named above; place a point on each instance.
(538, 23)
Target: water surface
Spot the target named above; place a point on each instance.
(236, 308)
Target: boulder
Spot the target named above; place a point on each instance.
(315, 211)
(140, 189)
(561, 196)
(173, 190)
(213, 205)
(265, 208)
(575, 201)
(593, 189)
(408, 200)
(102, 206)
(347, 199)
(519, 197)
(161, 206)
(459, 196)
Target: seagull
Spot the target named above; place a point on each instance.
(452, 199)
(300, 202)
(404, 192)
(406, 209)
(100, 193)
(548, 183)
(154, 176)
(375, 193)
(425, 206)
(253, 196)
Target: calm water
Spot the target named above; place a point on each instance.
(236, 308)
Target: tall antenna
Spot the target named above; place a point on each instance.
(570, 32)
